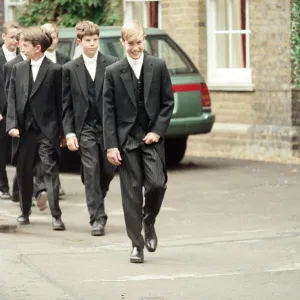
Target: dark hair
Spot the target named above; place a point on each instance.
(86, 28)
(37, 36)
(18, 35)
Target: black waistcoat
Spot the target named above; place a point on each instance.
(29, 117)
(138, 85)
(92, 116)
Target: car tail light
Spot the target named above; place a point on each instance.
(206, 104)
(202, 87)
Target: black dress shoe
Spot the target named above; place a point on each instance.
(98, 229)
(150, 237)
(137, 256)
(58, 224)
(23, 220)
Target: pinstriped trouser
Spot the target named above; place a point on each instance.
(141, 166)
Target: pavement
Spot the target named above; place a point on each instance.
(228, 229)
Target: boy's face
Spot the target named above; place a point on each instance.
(134, 46)
(89, 45)
(10, 39)
(54, 41)
(32, 52)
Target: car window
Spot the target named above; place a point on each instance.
(65, 47)
(161, 46)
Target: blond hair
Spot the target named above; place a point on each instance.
(86, 28)
(132, 29)
(10, 25)
(50, 27)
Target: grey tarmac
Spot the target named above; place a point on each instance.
(228, 229)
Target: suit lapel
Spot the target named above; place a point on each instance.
(127, 80)
(2, 57)
(40, 75)
(25, 75)
(58, 58)
(100, 70)
(148, 72)
(81, 75)
(19, 58)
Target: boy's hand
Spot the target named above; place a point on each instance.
(114, 156)
(151, 137)
(14, 133)
(1, 117)
(72, 143)
(63, 142)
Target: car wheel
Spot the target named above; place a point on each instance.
(175, 149)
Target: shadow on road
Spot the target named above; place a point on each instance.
(204, 163)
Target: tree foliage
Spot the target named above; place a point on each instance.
(295, 39)
(66, 13)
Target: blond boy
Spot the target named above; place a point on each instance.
(52, 53)
(138, 105)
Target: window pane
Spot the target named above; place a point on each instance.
(174, 61)
(239, 14)
(234, 8)
(222, 50)
(112, 46)
(145, 12)
(222, 15)
(138, 11)
(239, 51)
(65, 46)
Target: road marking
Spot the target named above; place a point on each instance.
(162, 277)
(295, 267)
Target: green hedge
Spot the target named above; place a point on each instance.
(66, 13)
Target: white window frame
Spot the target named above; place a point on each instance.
(9, 5)
(128, 13)
(228, 79)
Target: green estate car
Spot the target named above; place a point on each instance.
(192, 108)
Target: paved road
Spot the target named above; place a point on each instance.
(228, 230)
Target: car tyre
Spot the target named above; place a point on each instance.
(175, 150)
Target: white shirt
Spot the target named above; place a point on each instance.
(91, 64)
(35, 66)
(136, 65)
(51, 55)
(8, 54)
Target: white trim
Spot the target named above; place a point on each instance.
(235, 79)
(9, 5)
(232, 31)
(231, 87)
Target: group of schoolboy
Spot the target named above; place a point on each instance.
(114, 112)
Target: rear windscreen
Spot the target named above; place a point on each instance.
(161, 46)
(65, 46)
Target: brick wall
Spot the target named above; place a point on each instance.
(185, 22)
(247, 123)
